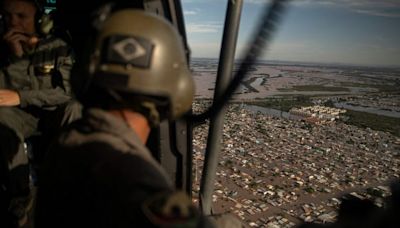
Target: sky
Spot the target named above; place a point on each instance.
(355, 32)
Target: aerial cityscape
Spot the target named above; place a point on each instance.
(298, 138)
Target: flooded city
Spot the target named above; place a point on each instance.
(297, 140)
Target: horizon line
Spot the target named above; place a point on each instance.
(313, 63)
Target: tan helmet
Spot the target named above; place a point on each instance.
(142, 53)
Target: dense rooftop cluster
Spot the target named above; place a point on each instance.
(276, 172)
(320, 113)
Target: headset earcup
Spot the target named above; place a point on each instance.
(45, 24)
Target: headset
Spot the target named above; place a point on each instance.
(43, 21)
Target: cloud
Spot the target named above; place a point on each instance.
(209, 27)
(382, 8)
(257, 1)
(382, 3)
(379, 14)
(190, 12)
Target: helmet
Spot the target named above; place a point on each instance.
(142, 54)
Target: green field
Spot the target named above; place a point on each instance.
(373, 121)
(284, 104)
(380, 87)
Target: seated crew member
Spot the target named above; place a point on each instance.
(34, 90)
(99, 172)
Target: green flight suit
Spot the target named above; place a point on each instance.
(41, 79)
(99, 174)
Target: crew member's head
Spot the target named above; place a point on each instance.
(20, 15)
(138, 62)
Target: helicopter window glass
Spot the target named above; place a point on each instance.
(316, 120)
(50, 5)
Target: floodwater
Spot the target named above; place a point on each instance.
(368, 110)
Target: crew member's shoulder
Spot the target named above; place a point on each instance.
(51, 43)
(85, 132)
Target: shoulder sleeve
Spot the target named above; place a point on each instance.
(129, 180)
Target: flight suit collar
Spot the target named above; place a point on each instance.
(100, 120)
(105, 122)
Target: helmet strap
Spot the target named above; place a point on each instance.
(153, 114)
(146, 108)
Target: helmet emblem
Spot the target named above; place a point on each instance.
(129, 49)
